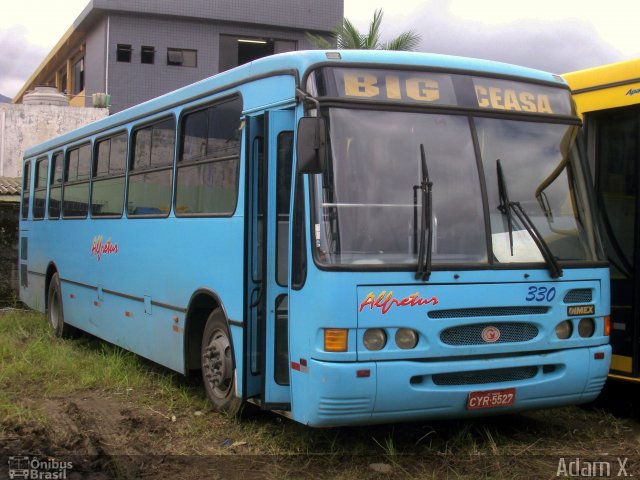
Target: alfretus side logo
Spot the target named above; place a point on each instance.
(385, 301)
(99, 248)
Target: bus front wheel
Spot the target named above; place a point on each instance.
(216, 358)
(55, 312)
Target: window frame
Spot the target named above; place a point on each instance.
(182, 51)
(131, 172)
(180, 146)
(145, 52)
(78, 76)
(94, 172)
(124, 48)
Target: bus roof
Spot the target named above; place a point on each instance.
(295, 63)
(606, 86)
(604, 75)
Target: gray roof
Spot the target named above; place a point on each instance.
(10, 185)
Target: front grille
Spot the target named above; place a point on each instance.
(510, 332)
(480, 377)
(578, 295)
(488, 312)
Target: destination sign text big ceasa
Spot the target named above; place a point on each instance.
(442, 89)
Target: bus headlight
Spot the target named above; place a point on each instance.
(586, 327)
(564, 329)
(375, 339)
(406, 338)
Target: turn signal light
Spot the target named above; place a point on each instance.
(335, 339)
(607, 325)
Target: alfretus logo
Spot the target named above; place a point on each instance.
(384, 301)
(99, 248)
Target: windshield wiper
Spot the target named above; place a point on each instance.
(506, 207)
(424, 264)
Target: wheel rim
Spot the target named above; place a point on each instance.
(217, 364)
(54, 310)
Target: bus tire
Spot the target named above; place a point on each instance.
(55, 311)
(216, 360)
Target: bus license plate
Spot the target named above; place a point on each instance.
(491, 399)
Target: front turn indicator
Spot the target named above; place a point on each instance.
(335, 339)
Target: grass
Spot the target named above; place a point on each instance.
(143, 400)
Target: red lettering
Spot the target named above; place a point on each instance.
(385, 301)
(98, 248)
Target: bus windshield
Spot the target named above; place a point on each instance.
(367, 203)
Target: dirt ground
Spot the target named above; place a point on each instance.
(111, 436)
(112, 414)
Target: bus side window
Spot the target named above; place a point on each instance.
(40, 188)
(75, 196)
(107, 194)
(55, 185)
(26, 189)
(151, 172)
(208, 166)
(283, 200)
(298, 242)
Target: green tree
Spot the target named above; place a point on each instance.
(348, 37)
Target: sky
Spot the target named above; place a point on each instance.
(555, 35)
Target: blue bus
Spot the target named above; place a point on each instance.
(344, 237)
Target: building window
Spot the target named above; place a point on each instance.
(147, 54)
(182, 57)
(236, 50)
(78, 76)
(123, 53)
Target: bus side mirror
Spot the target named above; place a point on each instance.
(311, 149)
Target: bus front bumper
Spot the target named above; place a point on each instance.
(391, 391)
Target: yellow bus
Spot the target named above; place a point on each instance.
(608, 98)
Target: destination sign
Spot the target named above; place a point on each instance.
(410, 87)
(520, 97)
(427, 88)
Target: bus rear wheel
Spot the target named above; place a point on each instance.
(216, 359)
(55, 311)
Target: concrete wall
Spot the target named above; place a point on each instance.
(23, 126)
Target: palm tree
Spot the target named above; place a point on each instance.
(348, 37)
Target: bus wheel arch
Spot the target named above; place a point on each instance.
(202, 303)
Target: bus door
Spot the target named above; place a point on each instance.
(271, 154)
(618, 184)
